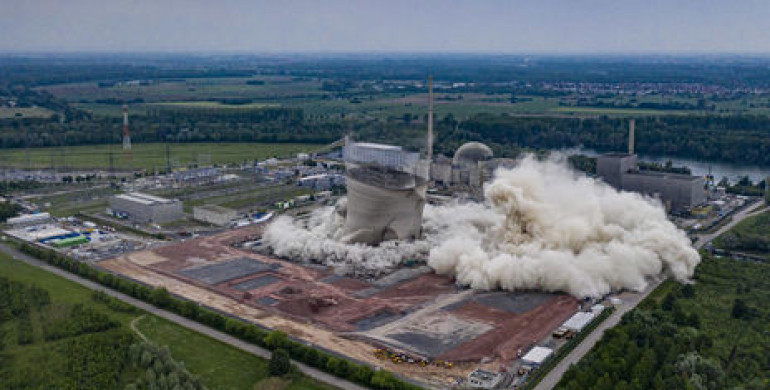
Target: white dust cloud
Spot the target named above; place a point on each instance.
(542, 226)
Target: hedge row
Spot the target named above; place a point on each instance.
(272, 340)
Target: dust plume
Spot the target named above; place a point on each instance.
(542, 226)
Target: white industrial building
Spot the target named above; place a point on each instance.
(323, 181)
(144, 208)
(537, 355)
(580, 320)
(29, 219)
(215, 215)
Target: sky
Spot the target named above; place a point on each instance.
(484, 26)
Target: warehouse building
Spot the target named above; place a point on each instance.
(580, 320)
(144, 208)
(29, 220)
(215, 215)
(537, 355)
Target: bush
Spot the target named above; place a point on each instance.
(279, 363)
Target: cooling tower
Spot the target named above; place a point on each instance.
(386, 193)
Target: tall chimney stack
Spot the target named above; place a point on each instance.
(126, 136)
(430, 118)
(631, 129)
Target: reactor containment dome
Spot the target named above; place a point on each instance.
(472, 153)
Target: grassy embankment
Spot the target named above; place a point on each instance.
(751, 235)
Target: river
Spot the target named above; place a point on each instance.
(699, 168)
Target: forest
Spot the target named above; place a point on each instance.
(708, 335)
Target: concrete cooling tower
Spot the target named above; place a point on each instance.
(386, 193)
(386, 189)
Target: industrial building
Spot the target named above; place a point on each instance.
(143, 208)
(537, 355)
(29, 219)
(322, 181)
(678, 192)
(580, 320)
(482, 379)
(215, 215)
(467, 169)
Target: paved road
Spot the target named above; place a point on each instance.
(553, 376)
(182, 321)
(738, 217)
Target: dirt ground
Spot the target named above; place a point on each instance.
(313, 304)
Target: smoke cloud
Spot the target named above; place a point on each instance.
(542, 226)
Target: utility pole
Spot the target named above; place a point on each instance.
(430, 118)
(168, 158)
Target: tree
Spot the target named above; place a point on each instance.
(688, 291)
(276, 339)
(279, 363)
(739, 309)
(160, 297)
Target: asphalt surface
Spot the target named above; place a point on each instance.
(553, 376)
(182, 321)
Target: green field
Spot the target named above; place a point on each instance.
(214, 105)
(188, 90)
(751, 235)
(31, 112)
(147, 156)
(618, 111)
(218, 365)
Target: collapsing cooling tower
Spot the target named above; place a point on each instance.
(386, 189)
(386, 193)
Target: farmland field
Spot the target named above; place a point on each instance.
(210, 105)
(618, 111)
(147, 156)
(185, 90)
(25, 112)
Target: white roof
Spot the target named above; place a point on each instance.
(315, 177)
(28, 218)
(143, 198)
(371, 145)
(39, 233)
(537, 355)
(149, 197)
(578, 321)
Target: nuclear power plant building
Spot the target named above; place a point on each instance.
(678, 192)
(469, 167)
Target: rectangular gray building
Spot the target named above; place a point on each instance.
(678, 192)
(145, 208)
